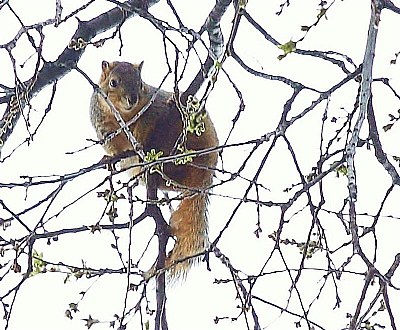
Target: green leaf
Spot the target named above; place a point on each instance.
(74, 307)
(153, 155)
(287, 48)
(322, 13)
(242, 4)
(38, 264)
(309, 249)
(342, 169)
(196, 123)
(184, 159)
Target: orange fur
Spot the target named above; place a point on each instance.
(159, 128)
(189, 226)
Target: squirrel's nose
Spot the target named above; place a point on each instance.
(131, 100)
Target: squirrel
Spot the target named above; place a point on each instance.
(161, 128)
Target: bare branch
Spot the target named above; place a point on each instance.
(365, 94)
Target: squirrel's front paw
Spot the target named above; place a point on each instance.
(108, 163)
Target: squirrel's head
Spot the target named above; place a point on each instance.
(122, 83)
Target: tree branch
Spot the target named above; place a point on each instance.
(379, 153)
(212, 26)
(365, 94)
(162, 232)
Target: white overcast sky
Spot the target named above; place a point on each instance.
(192, 305)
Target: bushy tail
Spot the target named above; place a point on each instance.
(190, 227)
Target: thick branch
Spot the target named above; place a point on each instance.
(213, 28)
(387, 4)
(162, 232)
(365, 93)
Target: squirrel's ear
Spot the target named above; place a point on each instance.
(140, 66)
(105, 65)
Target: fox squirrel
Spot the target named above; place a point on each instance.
(159, 129)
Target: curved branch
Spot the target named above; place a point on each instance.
(379, 153)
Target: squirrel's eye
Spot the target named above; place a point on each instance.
(113, 83)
